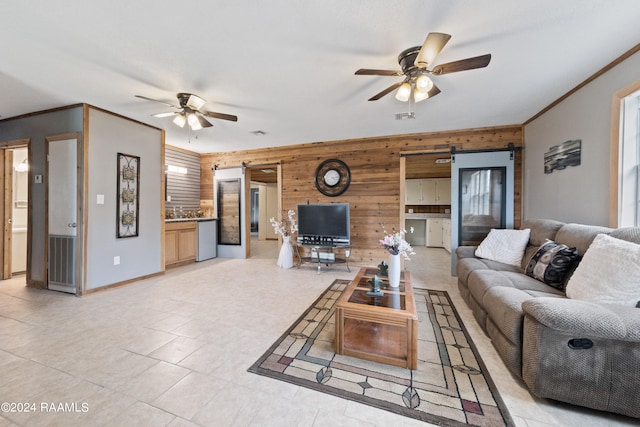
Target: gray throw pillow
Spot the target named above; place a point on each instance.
(553, 263)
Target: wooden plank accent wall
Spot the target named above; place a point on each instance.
(183, 189)
(374, 193)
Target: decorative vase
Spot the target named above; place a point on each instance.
(394, 270)
(285, 258)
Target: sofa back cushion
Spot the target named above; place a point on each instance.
(542, 230)
(580, 236)
(630, 234)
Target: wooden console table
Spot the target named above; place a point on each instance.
(381, 329)
(322, 254)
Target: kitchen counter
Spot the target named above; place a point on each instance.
(425, 215)
(189, 219)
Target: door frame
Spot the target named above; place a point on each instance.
(79, 245)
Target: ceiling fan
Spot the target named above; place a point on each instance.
(190, 111)
(415, 63)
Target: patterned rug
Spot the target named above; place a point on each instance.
(451, 386)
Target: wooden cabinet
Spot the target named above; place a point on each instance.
(438, 233)
(428, 191)
(413, 192)
(434, 232)
(446, 234)
(180, 242)
(443, 191)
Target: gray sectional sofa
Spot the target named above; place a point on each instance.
(581, 352)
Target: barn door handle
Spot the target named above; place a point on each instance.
(72, 225)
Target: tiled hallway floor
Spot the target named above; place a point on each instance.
(174, 350)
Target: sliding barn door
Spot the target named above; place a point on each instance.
(482, 188)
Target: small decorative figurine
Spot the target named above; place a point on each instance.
(383, 267)
(375, 287)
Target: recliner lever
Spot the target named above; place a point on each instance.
(580, 343)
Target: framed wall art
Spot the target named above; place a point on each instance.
(128, 196)
(562, 155)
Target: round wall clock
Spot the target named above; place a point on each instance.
(332, 177)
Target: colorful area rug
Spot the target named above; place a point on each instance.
(451, 386)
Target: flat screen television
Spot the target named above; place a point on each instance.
(324, 224)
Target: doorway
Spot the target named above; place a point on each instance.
(20, 210)
(14, 167)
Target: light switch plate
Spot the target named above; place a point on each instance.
(100, 199)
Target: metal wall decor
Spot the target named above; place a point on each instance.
(128, 195)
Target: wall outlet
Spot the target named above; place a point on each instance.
(116, 260)
(168, 198)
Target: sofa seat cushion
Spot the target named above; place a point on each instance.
(465, 266)
(481, 281)
(504, 307)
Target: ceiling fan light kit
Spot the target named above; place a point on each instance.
(180, 120)
(189, 111)
(415, 62)
(404, 92)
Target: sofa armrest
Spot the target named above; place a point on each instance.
(466, 251)
(586, 319)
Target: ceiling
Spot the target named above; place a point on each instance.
(287, 68)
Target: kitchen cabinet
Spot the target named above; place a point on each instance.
(446, 234)
(428, 191)
(434, 232)
(413, 192)
(180, 242)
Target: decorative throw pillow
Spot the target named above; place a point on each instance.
(552, 263)
(504, 245)
(609, 272)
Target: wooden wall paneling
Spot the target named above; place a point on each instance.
(374, 194)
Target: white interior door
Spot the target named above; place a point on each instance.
(62, 210)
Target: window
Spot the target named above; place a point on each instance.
(628, 162)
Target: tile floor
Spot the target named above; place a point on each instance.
(174, 351)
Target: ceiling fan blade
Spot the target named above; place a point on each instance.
(434, 91)
(368, 72)
(156, 100)
(221, 116)
(431, 47)
(463, 64)
(204, 122)
(173, 113)
(385, 92)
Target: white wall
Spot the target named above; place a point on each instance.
(141, 255)
(576, 194)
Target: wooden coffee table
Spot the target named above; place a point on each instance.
(381, 329)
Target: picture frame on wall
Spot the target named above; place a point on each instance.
(562, 155)
(128, 193)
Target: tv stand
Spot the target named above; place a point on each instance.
(322, 253)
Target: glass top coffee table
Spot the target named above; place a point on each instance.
(378, 328)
